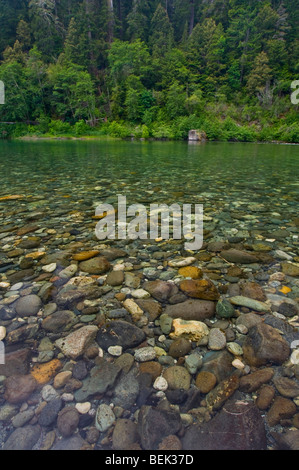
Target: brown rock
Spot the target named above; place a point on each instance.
(296, 420)
(239, 256)
(98, 265)
(85, 255)
(151, 367)
(265, 396)
(16, 363)
(115, 278)
(171, 442)
(222, 392)
(238, 426)
(155, 424)
(251, 382)
(193, 309)
(179, 348)
(67, 421)
(290, 269)
(191, 271)
(282, 408)
(252, 290)
(152, 307)
(286, 387)
(177, 377)
(205, 381)
(287, 441)
(124, 435)
(18, 388)
(27, 229)
(160, 290)
(200, 289)
(264, 345)
(113, 253)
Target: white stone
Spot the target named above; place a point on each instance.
(242, 329)
(67, 397)
(115, 350)
(17, 286)
(83, 408)
(68, 272)
(4, 285)
(49, 268)
(140, 294)
(238, 364)
(49, 393)
(160, 384)
(234, 348)
(104, 418)
(133, 309)
(2, 332)
(147, 353)
(75, 343)
(295, 357)
(182, 262)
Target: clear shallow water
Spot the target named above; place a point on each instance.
(249, 193)
(150, 172)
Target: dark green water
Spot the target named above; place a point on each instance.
(66, 175)
(27, 166)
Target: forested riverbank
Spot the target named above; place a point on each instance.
(149, 69)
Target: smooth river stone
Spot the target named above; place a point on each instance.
(74, 345)
(190, 329)
(250, 303)
(238, 426)
(193, 309)
(120, 333)
(264, 345)
(239, 256)
(28, 305)
(98, 265)
(200, 289)
(85, 255)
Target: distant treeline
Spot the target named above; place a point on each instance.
(151, 68)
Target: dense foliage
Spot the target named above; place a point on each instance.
(150, 68)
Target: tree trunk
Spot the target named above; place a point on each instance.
(110, 20)
(192, 13)
(88, 13)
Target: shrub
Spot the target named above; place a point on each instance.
(119, 129)
(59, 127)
(81, 128)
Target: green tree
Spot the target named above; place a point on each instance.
(16, 107)
(73, 96)
(139, 20)
(206, 47)
(128, 59)
(175, 101)
(161, 38)
(259, 79)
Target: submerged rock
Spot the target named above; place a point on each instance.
(264, 346)
(193, 309)
(239, 426)
(155, 424)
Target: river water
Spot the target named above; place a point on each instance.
(49, 192)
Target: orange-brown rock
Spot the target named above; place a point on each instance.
(200, 289)
(205, 381)
(85, 255)
(191, 271)
(43, 373)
